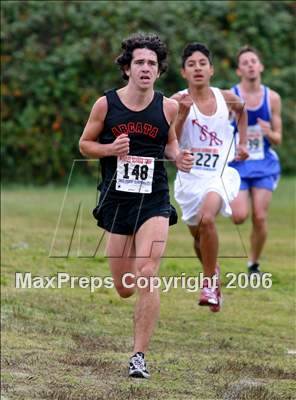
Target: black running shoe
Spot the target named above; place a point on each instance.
(137, 367)
(254, 269)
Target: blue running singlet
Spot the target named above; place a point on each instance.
(263, 160)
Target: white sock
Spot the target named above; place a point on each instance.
(250, 263)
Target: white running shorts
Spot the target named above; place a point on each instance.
(190, 191)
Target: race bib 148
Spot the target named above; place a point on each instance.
(135, 174)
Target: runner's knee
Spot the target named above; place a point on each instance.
(125, 285)
(207, 221)
(123, 291)
(259, 219)
(149, 268)
(239, 217)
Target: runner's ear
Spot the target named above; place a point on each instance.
(212, 70)
(127, 70)
(238, 73)
(183, 73)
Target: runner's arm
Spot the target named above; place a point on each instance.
(88, 144)
(183, 159)
(274, 131)
(236, 105)
(185, 102)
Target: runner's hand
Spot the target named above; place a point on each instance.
(120, 146)
(185, 102)
(241, 152)
(265, 126)
(184, 161)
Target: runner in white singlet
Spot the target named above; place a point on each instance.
(203, 126)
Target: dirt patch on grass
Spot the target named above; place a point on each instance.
(97, 365)
(249, 390)
(71, 392)
(251, 369)
(91, 343)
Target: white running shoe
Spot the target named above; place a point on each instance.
(137, 366)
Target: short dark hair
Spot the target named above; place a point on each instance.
(141, 41)
(191, 48)
(247, 49)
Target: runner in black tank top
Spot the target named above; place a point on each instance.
(130, 131)
(148, 133)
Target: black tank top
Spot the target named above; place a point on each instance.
(148, 133)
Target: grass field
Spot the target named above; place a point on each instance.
(72, 344)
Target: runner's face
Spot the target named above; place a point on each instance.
(143, 70)
(197, 69)
(249, 66)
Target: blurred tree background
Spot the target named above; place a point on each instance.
(58, 58)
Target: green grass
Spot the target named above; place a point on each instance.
(73, 344)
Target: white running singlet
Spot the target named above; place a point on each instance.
(211, 140)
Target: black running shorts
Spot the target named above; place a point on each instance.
(125, 215)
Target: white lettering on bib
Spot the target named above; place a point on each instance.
(135, 174)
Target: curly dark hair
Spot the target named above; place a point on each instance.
(141, 41)
(193, 47)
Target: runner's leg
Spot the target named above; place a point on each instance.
(121, 253)
(240, 207)
(261, 199)
(150, 242)
(195, 234)
(208, 233)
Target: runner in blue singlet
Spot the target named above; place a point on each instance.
(260, 173)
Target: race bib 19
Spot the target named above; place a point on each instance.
(205, 158)
(135, 174)
(255, 143)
